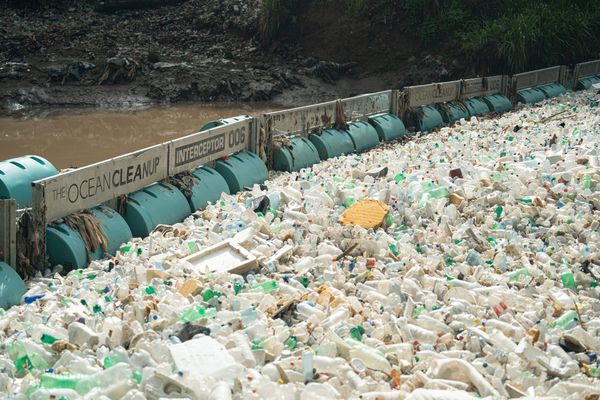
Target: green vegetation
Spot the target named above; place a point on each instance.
(501, 36)
(510, 35)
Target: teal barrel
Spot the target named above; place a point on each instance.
(388, 126)
(363, 135)
(221, 122)
(587, 82)
(498, 103)
(332, 143)
(114, 227)
(242, 170)
(17, 174)
(300, 153)
(208, 188)
(552, 89)
(476, 106)
(159, 203)
(452, 112)
(65, 246)
(12, 286)
(530, 96)
(429, 119)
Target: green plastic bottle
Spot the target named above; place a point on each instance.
(517, 274)
(267, 286)
(195, 313)
(566, 321)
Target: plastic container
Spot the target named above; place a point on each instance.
(12, 286)
(159, 203)
(17, 174)
(242, 170)
(65, 246)
(300, 153)
(530, 96)
(223, 121)
(363, 135)
(498, 103)
(332, 143)
(430, 118)
(476, 106)
(388, 126)
(587, 82)
(209, 187)
(452, 112)
(552, 89)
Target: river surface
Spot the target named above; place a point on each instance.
(77, 137)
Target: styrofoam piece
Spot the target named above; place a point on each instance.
(226, 256)
(204, 357)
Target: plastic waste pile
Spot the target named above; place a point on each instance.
(478, 279)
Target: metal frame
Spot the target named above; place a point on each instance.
(8, 231)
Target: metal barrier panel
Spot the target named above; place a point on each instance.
(481, 87)
(86, 187)
(433, 93)
(191, 151)
(537, 77)
(301, 119)
(367, 104)
(8, 231)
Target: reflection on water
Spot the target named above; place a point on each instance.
(73, 138)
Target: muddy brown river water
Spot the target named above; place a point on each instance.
(74, 138)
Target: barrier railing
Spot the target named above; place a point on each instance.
(538, 77)
(192, 151)
(481, 87)
(87, 187)
(432, 93)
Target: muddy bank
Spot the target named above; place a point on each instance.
(191, 51)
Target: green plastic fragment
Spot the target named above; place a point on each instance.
(399, 177)
(291, 343)
(267, 286)
(150, 290)
(357, 332)
(48, 339)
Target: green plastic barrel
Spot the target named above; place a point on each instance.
(223, 121)
(332, 143)
(159, 203)
(388, 126)
(530, 96)
(587, 82)
(209, 187)
(242, 170)
(12, 286)
(429, 119)
(363, 135)
(552, 89)
(17, 174)
(498, 103)
(114, 227)
(452, 112)
(299, 154)
(65, 246)
(476, 106)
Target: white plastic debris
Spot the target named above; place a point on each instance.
(482, 281)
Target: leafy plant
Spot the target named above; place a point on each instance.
(274, 14)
